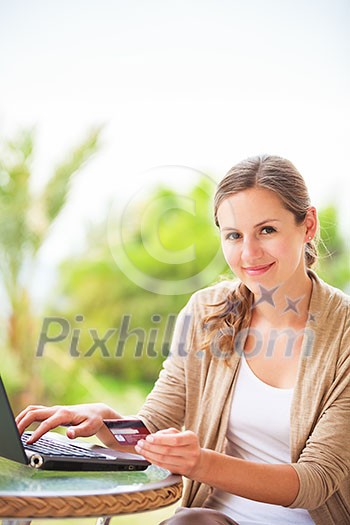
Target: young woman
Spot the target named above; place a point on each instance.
(253, 404)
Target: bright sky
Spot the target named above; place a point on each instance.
(199, 83)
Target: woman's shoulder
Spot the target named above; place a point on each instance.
(327, 294)
(330, 308)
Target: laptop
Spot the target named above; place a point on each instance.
(56, 453)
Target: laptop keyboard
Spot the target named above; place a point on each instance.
(56, 448)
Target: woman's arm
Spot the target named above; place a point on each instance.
(277, 484)
(180, 453)
(166, 404)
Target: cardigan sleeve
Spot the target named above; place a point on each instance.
(166, 404)
(325, 460)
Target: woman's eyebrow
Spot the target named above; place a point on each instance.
(256, 225)
(266, 220)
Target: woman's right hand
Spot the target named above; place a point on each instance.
(82, 420)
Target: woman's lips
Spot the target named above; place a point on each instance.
(258, 270)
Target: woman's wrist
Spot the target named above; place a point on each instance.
(201, 469)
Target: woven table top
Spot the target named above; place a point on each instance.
(31, 493)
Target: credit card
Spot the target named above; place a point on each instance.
(127, 431)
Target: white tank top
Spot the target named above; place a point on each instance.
(258, 430)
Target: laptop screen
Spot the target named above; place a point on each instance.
(10, 441)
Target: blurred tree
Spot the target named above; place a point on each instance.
(334, 250)
(94, 286)
(25, 221)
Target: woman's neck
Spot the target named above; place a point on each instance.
(283, 305)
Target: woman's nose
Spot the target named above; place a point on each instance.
(251, 249)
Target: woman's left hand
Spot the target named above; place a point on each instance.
(173, 450)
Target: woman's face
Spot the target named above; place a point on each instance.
(260, 239)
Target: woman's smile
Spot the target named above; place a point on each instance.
(257, 270)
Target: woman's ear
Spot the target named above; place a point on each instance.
(311, 223)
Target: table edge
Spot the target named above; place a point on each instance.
(90, 505)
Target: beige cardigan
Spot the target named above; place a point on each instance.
(194, 389)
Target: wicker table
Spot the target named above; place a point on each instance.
(27, 493)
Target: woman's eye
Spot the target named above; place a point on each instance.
(233, 236)
(268, 229)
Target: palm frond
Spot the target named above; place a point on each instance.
(56, 191)
(14, 201)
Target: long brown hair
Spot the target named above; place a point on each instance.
(272, 173)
